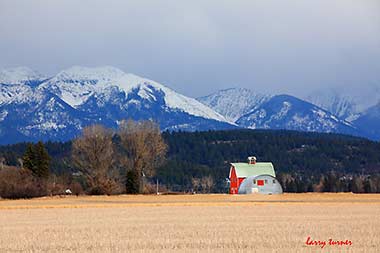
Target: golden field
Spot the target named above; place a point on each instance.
(183, 223)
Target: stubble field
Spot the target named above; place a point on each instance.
(200, 223)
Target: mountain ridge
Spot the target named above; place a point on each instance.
(60, 106)
(291, 113)
(34, 106)
(342, 123)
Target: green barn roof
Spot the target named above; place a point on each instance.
(246, 170)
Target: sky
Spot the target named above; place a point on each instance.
(199, 47)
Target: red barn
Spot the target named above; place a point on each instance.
(240, 171)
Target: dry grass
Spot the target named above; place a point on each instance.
(191, 223)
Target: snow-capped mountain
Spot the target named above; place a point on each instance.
(332, 110)
(77, 84)
(341, 105)
(20, 75)
(291, 113)
(234, 103)
(346, 102)
(16, 85)
(35, 107)
(59, 107)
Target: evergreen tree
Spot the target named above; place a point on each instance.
(37, 160)
(310, 187)
(300, 185)
(29, 159)
(42, 160)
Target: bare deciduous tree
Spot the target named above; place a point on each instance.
(195, 182)
(2, 162)
(93, 155)
(144, 148)
(207, 183)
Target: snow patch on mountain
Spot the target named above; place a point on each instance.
(286, 106)
(46, 126)
(3, 114)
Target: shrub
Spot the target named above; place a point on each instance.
(151, 188)
(20, 183)
(56, 188)
(106, 187)
(76, 188)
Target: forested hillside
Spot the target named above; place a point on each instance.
(303, 161)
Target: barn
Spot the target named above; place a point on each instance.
(253, 177)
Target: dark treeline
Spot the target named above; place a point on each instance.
(303, 161)
(200, 160)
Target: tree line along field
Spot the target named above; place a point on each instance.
(105, 161)
(195, 223)
(304, 162)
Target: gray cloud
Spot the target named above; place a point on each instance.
(197, 47)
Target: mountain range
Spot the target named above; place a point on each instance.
(39, 107)
(276, 112)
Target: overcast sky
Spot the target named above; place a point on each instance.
(197, 47)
